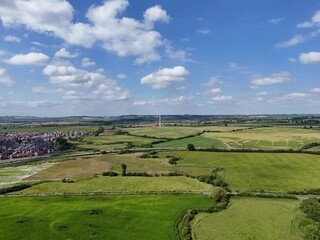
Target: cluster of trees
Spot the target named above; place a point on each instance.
(99, 131)
(311, 225)
(151, 154)
(213, 178)
(14, 188)
(62, 144)
(173, 160)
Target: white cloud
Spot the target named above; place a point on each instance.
(123, 35)
(309, 58)
(111, 91)
(86, 62)
(222, 98)
(315, 21)
(139, 103)
(10, 38)
(28, 59)
(71, 77)
(45, 90)
(275, 78)
(293, 41)
(276, 20)
(121, 76)
(182, 55)
(235, 67)
(315, 90)
(76, 96)
(63, 53)
(182, 88)
(203, 31)
(165, 77)
(212, 82)
(174, 101)
(296, 95)
(262, 93)
(155, 14)
(214, 91)
(259, 99)
(292, 60)
(5, 80)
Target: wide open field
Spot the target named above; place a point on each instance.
(267, 138)
(250, 218)
(254, 171)
(122, 185)
(104, 217)
(199, 141)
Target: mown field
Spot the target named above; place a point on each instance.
(97, 217)
(254, 171)
(199, 141)
(250, 218)
(121, 185)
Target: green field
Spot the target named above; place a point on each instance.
(250, 218)
(122, 185)
(199, 141)
(254, 171)
(104, 217)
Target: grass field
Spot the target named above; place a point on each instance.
(199, 141)
(121, 185)
(79, 168)
(54, 128)
(250, 218)
(108, 217)
(275, 137)
(254, 171)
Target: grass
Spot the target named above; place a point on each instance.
(121, 185)
(79, 168)
(254, 171)
(104, 217)
(267, 138)
(53, 128)
(164, 132)
(250, 218)
(198, 141)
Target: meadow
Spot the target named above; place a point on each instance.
(121, 185)
(279, 172)
(97, 217)
(250, 218)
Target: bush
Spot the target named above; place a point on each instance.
(110, 174)
(14, 188)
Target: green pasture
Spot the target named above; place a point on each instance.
(53, 128)
(121, 185)
(250, 218)
(198, 141)
(122, 217)
(164, 132)
(274, 137)
(254, 171)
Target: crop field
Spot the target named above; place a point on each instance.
(122, 185)
(98, 217)
(275, 137)
(199, 141)
(112, 142)
(250, 218)
(254, 171)
(11, 175)
(73, 169)
(53, 128)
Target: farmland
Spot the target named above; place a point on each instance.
(114, 202)
(250, 218)
(98, 217)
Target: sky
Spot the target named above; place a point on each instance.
(120, 57)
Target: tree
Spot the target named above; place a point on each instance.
(63, 144)
(190, 147)
(100, 130)
(124, 169)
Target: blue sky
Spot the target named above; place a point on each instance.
(115, 57)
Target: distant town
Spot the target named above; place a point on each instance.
(21, 145)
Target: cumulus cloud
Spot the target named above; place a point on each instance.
(121, 76)
(5, 80)
(96, 84)
(222, 98)
(275, 78)
(212, 82)
(122, 35)
(276, 20)
(44, 90)
(315, 21)
(309, 58)
(214, 91)
(262, 93)
(315, 90)
(165, 77)
(10, 38)
(86, 62)
(139, 103)
(296, 95)
(203, 31)
(291, 42)
(292, 60)
(28, 59)
(63, 53)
